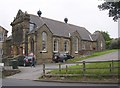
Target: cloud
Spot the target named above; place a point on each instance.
(79, 12)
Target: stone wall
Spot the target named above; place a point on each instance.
(44, 56)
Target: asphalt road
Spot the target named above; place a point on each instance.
(18, 82)
(106, 57)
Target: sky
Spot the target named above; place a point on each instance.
(84, 13)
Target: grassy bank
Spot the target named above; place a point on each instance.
(91, 68)
(92, 55)
(95, 71)
(99, 74)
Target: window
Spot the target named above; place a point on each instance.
(101, 45)
(32, 26)
(65, 46)
(76, 45)
(55, 45)
(44, 41)
(1, 35)
(32, 45)
(0, 52)
(0, 39)
(90, 46)
(84, 45)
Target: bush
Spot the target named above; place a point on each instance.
(108, 44)
(115, 44)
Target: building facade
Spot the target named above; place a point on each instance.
(3, 36)
(44, 37)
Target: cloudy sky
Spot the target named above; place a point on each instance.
(84, 13)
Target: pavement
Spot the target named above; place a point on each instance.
(33, 73)
(29, 73)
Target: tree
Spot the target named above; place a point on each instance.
(107, 39)
(113, 7)
(106, 36)
(115, 44)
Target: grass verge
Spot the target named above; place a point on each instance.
(93, 55)
(98, 73)
(102, 75)
(90, 69)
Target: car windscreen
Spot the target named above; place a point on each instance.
(29, 57)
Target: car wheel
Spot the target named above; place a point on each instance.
(24, 64)
(56, 61)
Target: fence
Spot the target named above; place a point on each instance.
(83, 68)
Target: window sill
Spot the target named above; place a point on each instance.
(83, 49)
(44, 51)
(55, 51)
(66, 51)
(76, 52)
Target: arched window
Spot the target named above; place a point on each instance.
(101, 45)
(65, 46)
(1, 52)
(84, 45)
(91, 47)
(32, 45)
(31, 27)
(76, 45)
(44, 41)
(55, 45)
(0, 39)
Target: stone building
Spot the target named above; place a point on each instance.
(44, 36)
(3, 36)
(7, 48)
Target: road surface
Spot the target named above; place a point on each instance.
(18, 82)
(106, 57)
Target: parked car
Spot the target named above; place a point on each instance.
(61, 57)
(27, 60)
(69, 56)
(20, 60)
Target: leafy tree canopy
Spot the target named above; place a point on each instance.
(113, 7)
(106, 36)
(115, 44)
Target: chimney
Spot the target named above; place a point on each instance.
(39, 13)
(66, 20)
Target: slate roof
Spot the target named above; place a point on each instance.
(9, 38)
(60, 28)
(3, 28)
(95, 36)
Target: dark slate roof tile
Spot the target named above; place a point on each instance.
(95, 36)
(60, 28)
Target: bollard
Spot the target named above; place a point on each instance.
(66, 68)
(43, 69)
(84, 68)
(59, 67)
